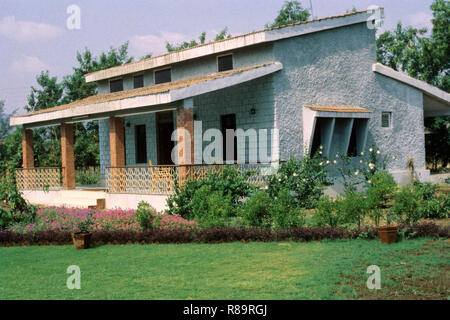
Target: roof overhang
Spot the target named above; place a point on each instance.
(436, 102)
(140, 104)
(245, 40)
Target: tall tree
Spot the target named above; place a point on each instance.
(291, 12)
(426, 58)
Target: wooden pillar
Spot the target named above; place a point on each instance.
(27, 160)
(67, 154)
(117, 154)
(185, 131)
(27, 148)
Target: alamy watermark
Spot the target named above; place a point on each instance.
(374, 281)
(73, 22)
(73, 281)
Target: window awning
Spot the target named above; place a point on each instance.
(333, 127)
(143, 100)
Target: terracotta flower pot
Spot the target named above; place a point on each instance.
(388, 234)
(81, 240)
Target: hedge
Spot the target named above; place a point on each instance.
(216, 235)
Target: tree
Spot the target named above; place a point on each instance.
(223, 34)
(428, 59)
(291, 12)
(4, 121)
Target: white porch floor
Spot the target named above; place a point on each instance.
(83, 198)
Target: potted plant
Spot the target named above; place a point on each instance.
(82, 237)
(388, 233)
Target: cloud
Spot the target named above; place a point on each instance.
(141, 45)
(421, 20)
(28, 64)
(28, 30)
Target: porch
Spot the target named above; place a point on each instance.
(125, 185)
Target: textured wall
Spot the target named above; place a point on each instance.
(335, 68)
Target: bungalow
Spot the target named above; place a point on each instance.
(289, 89)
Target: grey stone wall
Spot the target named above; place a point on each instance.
(334, 67)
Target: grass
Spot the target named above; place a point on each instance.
(416, 269)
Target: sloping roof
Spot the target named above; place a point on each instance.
(244, 40)
(104, 104)
(418, 84)
(349, 109)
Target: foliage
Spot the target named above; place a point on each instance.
(145, 215)
(436, 208)
(304, 178)
(84, 225)
(291, 12)
(223, 34)
(406, 205)
(87, 177)
(381, 188)
(424, 58)
(256, 210)
(437, 143)
(212, 208)
(425, 191)
(327, 213)
(353, 208)
(285, 212)
(230, 182)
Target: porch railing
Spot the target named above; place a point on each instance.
(43, 178)
(160, 179)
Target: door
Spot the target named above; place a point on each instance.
(164, 129)
(229, 122)
(141, 144)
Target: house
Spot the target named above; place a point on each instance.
(289, 89)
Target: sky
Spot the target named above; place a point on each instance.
(34, 35)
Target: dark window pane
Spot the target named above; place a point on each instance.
(352, 147)
(225, 63)
(141, 144)
(163, 76)
(386, 119)
(138, 81)
(116, 85)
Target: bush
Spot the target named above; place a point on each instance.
(285, 211)
(406, 205)
(353, 208)
(230, 182)
(304, 179)
(212, 208)
(87, 177)
(146, 215)
(327, 213)
(437, 208)
(381, 189)
(425, 191)
(256, 211)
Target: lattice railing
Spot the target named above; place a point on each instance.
(160, 179)
(44, 178)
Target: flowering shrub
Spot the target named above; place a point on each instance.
(69, 219)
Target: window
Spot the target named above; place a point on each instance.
(116, 85)
(386, 119)
(163, 76)
(138, 81)
(225, 63)
(229, 122)
(141, 144)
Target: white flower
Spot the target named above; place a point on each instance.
(362, 153)
(279, 180)
(337, 156)
(334, 161)
(393, 157)
(294, 174)
(369, 181)
(378, 152)
(328, 161)
(320, 163)
(371, 166)
(321, 147)
(370, 149)
(320, 152)
(360, 161)
(356, 172)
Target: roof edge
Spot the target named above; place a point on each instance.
(243, 40)
(416, 83)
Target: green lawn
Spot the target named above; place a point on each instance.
(417, 269)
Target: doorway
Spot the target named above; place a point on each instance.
(164, 129)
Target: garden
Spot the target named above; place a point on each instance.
(224, 238)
